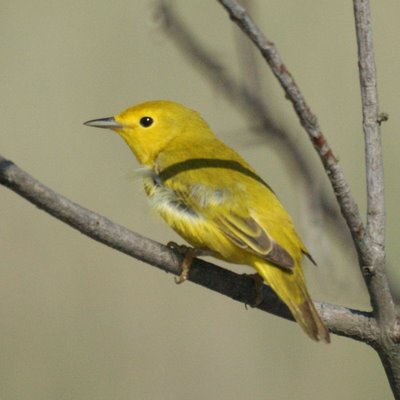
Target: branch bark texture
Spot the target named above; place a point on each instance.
(380, 294)
(369, 240)
(376, 280)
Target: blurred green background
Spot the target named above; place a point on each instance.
(82, 321)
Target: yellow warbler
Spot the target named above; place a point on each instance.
(215, 200)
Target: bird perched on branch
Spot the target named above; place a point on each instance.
(216, 201)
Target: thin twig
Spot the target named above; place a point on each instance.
(342, 321)
(307, 119)
(246, 53)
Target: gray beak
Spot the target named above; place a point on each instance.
(107, 123)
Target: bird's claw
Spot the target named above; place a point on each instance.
(258, 285)
(189, 253)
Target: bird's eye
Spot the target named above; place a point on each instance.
(146, 122)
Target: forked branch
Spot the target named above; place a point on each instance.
(368, 241)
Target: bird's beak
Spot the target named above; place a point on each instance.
(107, 123)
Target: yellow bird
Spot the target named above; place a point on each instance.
(216, 201)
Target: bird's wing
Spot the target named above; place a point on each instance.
(249, 235)
(224, 200)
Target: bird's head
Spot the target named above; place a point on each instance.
(149, 127)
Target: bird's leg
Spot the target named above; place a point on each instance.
(189, 253)
(258, 285)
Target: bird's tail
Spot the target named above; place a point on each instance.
(291, 288)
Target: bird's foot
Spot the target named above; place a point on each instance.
(188, 253)
(258, 285)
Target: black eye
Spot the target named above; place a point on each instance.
(146, 121)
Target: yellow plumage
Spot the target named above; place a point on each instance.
(212, 198)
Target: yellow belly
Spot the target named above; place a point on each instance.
(192, 227)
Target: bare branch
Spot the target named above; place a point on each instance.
(376, 280)
(340, 320)
(246, 54)
(371, 123)
(370, 243)
(307, 119)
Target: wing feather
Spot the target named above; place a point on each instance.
(249, 235)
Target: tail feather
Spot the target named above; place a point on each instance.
(308, 318)
(291, 289)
